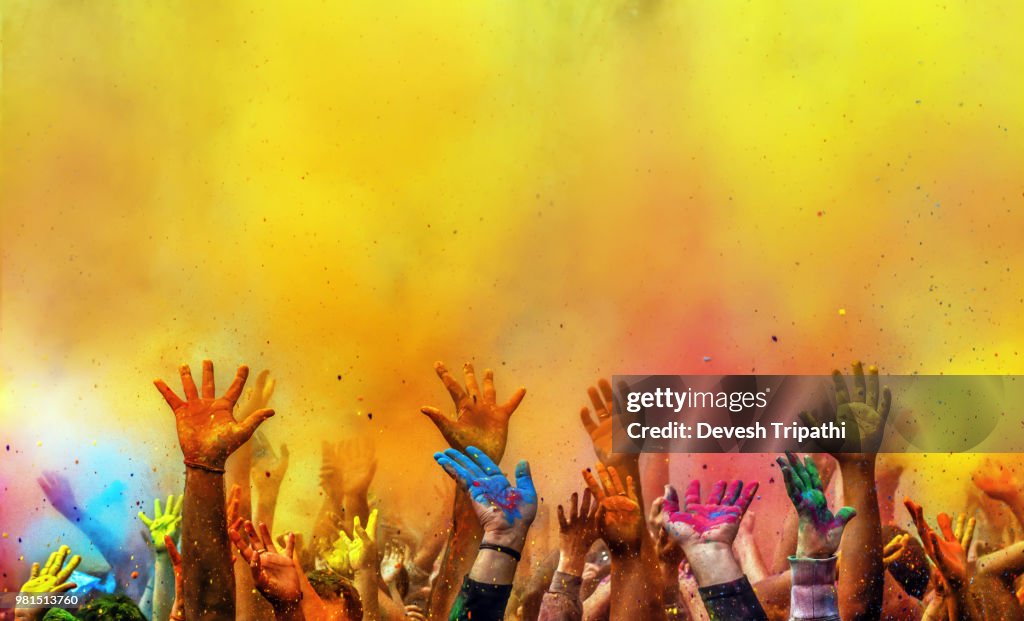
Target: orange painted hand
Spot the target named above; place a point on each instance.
(619, 517)
(998, 482)
(948, 552)
(479, 419)
(207, 431)
(599, 426)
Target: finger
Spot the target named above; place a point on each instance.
(173, 400)
(524, 479)
(671, 504)
(289, 547)
(717, 492)
(177, 504)
(158, 511)
(208, 391)
(845, 515)
(613, 476)
(593, 485)
(799, 472)
(58, 560)
(69, 569)
(234, 391)
(809, 419)
(789, 480)
(563, 524)
(732, 493)
(454, 470)
(968, 534)
(860, 387)
(486, 463)
(513, 402)
(456, 391)
(254, 537)
(588, 422)
(747, 497)
(267, 538)
(490, 394)
(606, 391)
(574, 506)
(466, 462)
(35, 571)
(692, 496)
(587, 507)
(842, 394)
(958, 529)
(872, 387)
(812, 473)
(65, 587)
(471, 386)
(249, 426)
(599, 405)
(243, 548)
(145, 520)
(606, 480)
(187, 383)
(946, 527)
(285, 456)
(172, 551)
(437, 417)
(631, 489)
(884, 404)
(371, 525)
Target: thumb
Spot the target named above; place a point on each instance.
(845, 515)
(524, 479)
(249, 426)
(438, 417)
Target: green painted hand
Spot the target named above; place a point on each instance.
(820, 531)
(163, 524)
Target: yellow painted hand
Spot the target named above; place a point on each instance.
(351, 554)
(895, 549)
(53, 577)
(163, 524)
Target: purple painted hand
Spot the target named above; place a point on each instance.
(715, 521)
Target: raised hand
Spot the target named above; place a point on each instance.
(273, 572)
(505, 512)
(599, 426)
(60, 494)
(357, 460)
(577, 530)
(619, 516)
(479, 419)
(257, 397)
(948, 552)
(896, 548)
(351, 554)
(207, 431)
(178, 607)
(863, 413)
(820, 531)
(715, 521)
(53, 577)
(331, 473)
(268, 468)
(164, 523)
(395, 557)
(998, 482)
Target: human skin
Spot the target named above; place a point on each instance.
(208, 434)
(274, 571)
(480, 421)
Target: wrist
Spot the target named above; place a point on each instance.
(514, 538)
(712, 562)
(571, 563)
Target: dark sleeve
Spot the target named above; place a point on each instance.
(562, 601)
(732, 601)
(480, 602)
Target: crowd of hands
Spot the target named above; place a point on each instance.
(213, 553)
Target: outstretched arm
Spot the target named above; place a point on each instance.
(208, 435)
(505, 514)
(51, 578)
(166, 524)
(482, 422)
(706, 531)
(577, 531)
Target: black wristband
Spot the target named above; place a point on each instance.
(509, 551)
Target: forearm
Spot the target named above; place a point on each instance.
(637, 588)
(750, 560)
(237, 473)
(357, 504)
(1005, 564)
(562, 600)
(861, 575)
(366, 584)
(249, 604)
(936, 610)
(163, 586)
(266, 507)
(787, 543)
(206, 557)
(458, 557)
